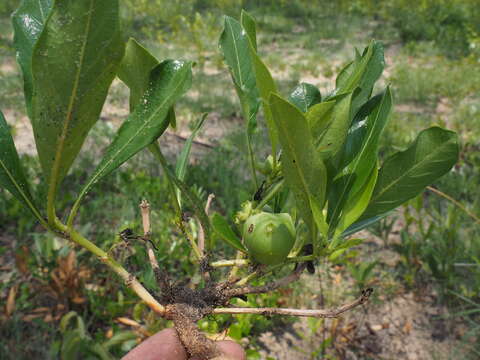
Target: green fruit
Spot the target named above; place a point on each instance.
(269, 237)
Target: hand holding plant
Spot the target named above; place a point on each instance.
(321, 183)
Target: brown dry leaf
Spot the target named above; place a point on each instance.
(21, 258)
(58, 285)
(40, 310)
(128, 322)
(30, 317)
(109, 333)
(407, 328)
(10, 304)
(337, 279)
(48, 318)
(78, 300)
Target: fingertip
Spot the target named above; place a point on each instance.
(164, 345)
(232, 350)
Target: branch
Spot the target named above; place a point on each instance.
(329, 313)
(145, 209)
(128, 278)
(225, 263)
(195, 142)
(161, 275)
(268, 287)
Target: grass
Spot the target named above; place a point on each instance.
(429, 88)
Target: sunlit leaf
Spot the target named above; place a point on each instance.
(248, 23)
(28, 23)
(356, 204)
(235, 47)
(12, 176)
(359, 160)
(361, 75)
(168, 82)
(319, 117)
(405, 174)
(182, 161)
(303, 169)
(221, 227)
(334, 135)
(135, 68)
(304, 96)
(74, 62)
(266, 86)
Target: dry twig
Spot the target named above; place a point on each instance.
(329, 313)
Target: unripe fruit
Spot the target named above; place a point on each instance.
(269, 237)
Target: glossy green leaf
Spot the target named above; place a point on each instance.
(28, 23)
(319, 117)
(319, 217)
(360, 158)
(235, 47)
(248, 23)
(363, 72)
(135, 68)
(168, 82)
(182, 161)
(221, 227)
(12, 176)
(304, 171)
(266, 86)
(359, 153)
(361, 75)
(364, 223)
(74, 62)
(134, 71)
(405, 174)
(172, 118)
(304, 96)
(356, 204)
(334, 135)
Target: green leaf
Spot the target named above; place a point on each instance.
(182, 161)
(304, 171)
(235, 47)
(168, 82)
(405, 174)
(364, 223)
(266, 86)
(356, 204)
(304, 96)
(360, 158)
(318, 217)
(119, 338)
(248, 23)
(12, 176)
(134, 71)
(191, 197)
(361, 146)
(74, 62)
(172, 118)
(221, 227)
(135, 68)
(319, 117)
(333, 136)
(362, 73)
(28, 23)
